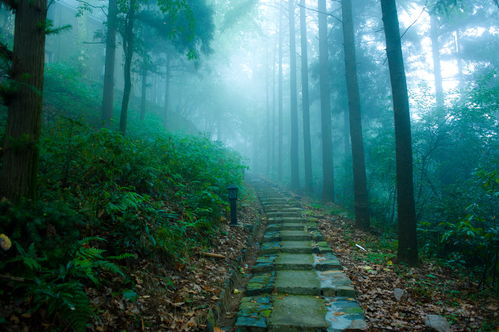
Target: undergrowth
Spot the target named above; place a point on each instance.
(105, 201)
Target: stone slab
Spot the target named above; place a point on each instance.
(261, 283)
(294, 235)
(298, 247)
(282, 214)
(286, 235)
(344, 314)
(297, 313)
(327, 261)
(287, 208)
(335, 283)
(286, 261)
(321, 247)
(254, 313)
(287, 227)
(287, 220)
(297, 282)
(264, 263)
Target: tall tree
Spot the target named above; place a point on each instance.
(128, 50)
(407, 239)
(143, 93)
(20, 150)
(435, 50)
(108, 90)
(358, 162)
(186, 25)
(167, 88)
(268, 120)
(307, 145)
(280, 100)
(295, 180)
(327, 145)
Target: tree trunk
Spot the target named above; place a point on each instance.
(108, 91)
(327, 145)
(268, 129)
(307, 145)
(280, 106)
(459, 59)
(20, 155)
(407, 239)
(274, 104)
(128, 44)
(167, 90)
(358, 163)
(347, 186)
(143, 95)
(437, 72)
(295, 180)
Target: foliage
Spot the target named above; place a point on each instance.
(455, 153)
(104, 200)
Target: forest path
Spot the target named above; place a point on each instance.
(297, 282)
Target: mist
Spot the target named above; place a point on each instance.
(143, 112)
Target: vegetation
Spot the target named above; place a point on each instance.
(104, 201)
(109, 159)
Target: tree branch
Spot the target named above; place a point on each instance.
(321, 12)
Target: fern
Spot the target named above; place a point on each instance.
(89, 260)
(77, 310)
(66, 301)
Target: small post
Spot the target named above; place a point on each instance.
(233, 207)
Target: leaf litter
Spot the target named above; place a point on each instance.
(428, 289)
(176, 298)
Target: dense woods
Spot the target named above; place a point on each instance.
(123, 123)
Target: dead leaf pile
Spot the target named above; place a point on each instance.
(396, 297)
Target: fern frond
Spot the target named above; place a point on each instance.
(109, 267)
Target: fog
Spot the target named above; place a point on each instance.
(127, 121)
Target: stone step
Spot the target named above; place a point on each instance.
(273, 236)
(285, 227)
(282, 214)
(290, 261)
(308, 226)
(267, 200)
(297, 283)
(326, 283)
(273, 208)
(288, 208)
(296, 313)
(287, 220)
(301, 282)
(290, 247)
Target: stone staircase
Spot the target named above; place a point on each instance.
(297, 282)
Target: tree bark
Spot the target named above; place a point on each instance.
(407, 239)
(108, 90)
(437, 72)
(143, 95)
(327, 145)
(167, 89)
(274, 104)
(459, 60)
(280, 102)
(20, 155)
(358, 162)
(295, 180)
(268, 113)
(128, 45)
(307, 145)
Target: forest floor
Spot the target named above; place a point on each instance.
(429, 288)
(177, 298)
